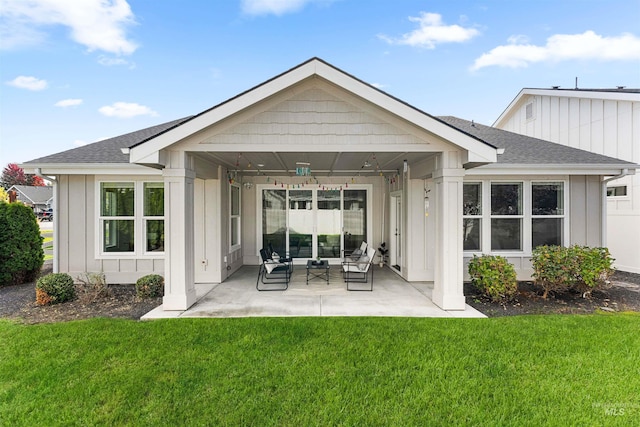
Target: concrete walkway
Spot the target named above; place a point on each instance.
(392, 296)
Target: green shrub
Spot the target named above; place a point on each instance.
(554, 268)
(578, 268)
(55, 288)
(21, 254)
(494, 276)
(151, 285)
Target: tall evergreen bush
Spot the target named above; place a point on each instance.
(21, 254)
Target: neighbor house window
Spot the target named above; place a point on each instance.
(617, 191)
(117, 216)
(506, 216)
(472, 216)
(547, 213)
(153, 216)
(234, 225)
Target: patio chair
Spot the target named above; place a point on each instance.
(280, 258)
(359, 271)
(356, 253)
(273, 272)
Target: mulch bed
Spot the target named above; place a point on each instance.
(18, 302)
(623, 295)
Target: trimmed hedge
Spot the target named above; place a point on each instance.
(579, 268)
(494, 276)
(55, 288)
(151, 285)
(21, 253)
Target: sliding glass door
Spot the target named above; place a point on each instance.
(310, 223)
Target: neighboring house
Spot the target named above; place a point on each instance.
(603, 121)
(314, 161)
(40, 198)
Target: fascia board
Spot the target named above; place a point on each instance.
(479, 151)
(497, 169)
(90, 169)
(572, 93)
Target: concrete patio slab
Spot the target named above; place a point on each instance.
(392, 296)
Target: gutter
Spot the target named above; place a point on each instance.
(603, 231)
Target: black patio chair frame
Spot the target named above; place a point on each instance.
(273, 272)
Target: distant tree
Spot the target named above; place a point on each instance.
(4, 196)
(14, 175)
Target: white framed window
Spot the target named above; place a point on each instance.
(130, 218)
(617, 191)
(514, 216)
(547, 213)
(507, 214)
(153, 216)
(117, 217)
(472, 216)
(235, 210)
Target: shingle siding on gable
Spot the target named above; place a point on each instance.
(314, 116)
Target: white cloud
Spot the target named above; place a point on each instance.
(96, 24)
(561, 47)
(276, 7)
(109, 61)
(378, 85)
(79, 143)
(68, 103)
(126, 110)
(432, 31)
(28, 82)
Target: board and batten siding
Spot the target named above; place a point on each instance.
(600, 124)
(76, 222)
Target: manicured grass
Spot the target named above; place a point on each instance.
(47, 242)
(529, 370)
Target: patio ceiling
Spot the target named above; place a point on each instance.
(321, 164)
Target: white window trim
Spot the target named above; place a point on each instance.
(138, 218)
(479, 216)
(625, 197)
(521, 217)
(485, 244)
(233, 248)
(261, 187)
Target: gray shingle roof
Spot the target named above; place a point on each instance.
(519, 149)
(37, 194)
(107, 150)
(522, 149)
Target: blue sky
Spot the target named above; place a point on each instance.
(74, 72)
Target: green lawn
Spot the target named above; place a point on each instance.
(528, 370)
(47, 242)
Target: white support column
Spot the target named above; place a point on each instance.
(448, 291)
(179, 266)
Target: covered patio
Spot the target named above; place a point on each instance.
(392, 296)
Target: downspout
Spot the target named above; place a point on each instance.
(603, 231)
(56, 239)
